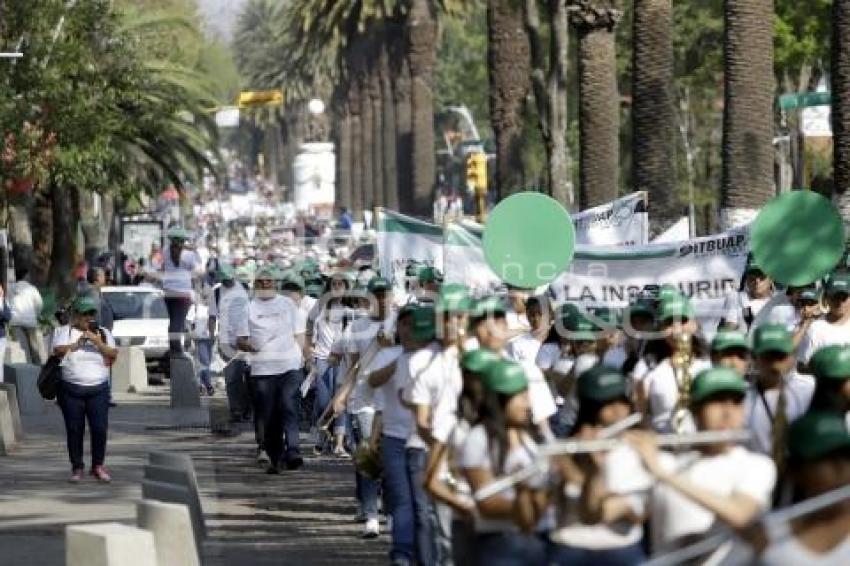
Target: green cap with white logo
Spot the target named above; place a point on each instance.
(832, 362)
(716, 380)
(729, 339)
(478, 360)
(838, 283)
(818, 433)
(675, 307)
(601, 384)
(772, 338)
(505, 377)
(453, 297)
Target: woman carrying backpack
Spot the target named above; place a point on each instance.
(87, 352)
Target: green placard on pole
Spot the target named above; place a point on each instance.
(804, 100)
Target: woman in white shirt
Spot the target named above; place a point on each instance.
(180, 268)
(500, 444)
(86, 352)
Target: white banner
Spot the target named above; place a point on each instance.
(622, 222)
(402, 239)
(678, 232)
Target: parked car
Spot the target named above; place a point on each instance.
(141, 320)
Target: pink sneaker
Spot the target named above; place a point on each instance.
(76, 476)
(101, 474)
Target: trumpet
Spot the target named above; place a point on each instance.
(680, 360)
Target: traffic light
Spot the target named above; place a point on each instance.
(476, 171)
(258, 98)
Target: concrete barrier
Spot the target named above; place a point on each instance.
(219, 415)
(184, 387)
(171, 525)
(25, 378)
(180, 495)
(130, 372)
(8, 441)
(185, 479)
(14, 353)
(109, 544)
(12, 394)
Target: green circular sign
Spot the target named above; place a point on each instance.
(529, 240)
(797, 238)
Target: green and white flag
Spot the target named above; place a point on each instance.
(402, 239)
(621, 222)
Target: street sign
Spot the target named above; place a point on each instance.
(803, 100)
(258, 98)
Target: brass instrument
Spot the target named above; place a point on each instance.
(680, 360)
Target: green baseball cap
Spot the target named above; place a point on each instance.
(429, 275)
(818, 433)
(225, 271)
(424, 323)
(314, 289)
(85, 304)
(609, 317)
(838, 283)
(675, 307)
(505, 377)
(566, 313)
(716, 380)
(581, 328)
(640, 306)
(244, 274)
(487, 305)
(832, 362)
(177, 233)
(809, 294)
(412, 270)
(728, 339)
(379, 285)
(479, 360)
(667, 292)
(601, 384)
(454, 297)
(268, 272)
(772, 338)
(753, 266)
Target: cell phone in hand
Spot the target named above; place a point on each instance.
(93, 326)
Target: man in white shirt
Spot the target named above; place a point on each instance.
(835, 327)
(778, 395)
(180, 268)
(228, 307)
(26, 306)
(274, 335)
(743, 307)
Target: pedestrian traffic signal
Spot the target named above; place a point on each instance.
(476, 171)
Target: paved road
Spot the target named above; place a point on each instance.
(303, 517)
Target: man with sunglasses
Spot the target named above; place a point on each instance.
(834, 328)
(742, 308)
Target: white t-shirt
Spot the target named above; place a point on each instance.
(551, 357)
(199, 318)
(737, 471)
(799, 389)
(327, 329)
(662, 390)
(477, 454)
(397, 419)
(26, 304)
(516, 322)
(822, 333)
(362, 397)
(540, 396)
(436, 381)
(273, 325)
(737, 304)
(778, 310)
(786, 550)
(307, 304)
(523, 348)
(85, 366)
(231, 313)
(359, 338)
(177, 279)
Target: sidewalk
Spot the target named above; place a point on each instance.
(303, 517)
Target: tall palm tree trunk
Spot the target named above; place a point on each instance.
(388, 133)
(840, 71)
(653, 113)
(422, 55)
(747, 111)
(343, 152)
(20, 230)
(509, 69)
(356, 150)
(599, 101)
(366, 130)
(403, 98)
(375, 93)
(64, 255)
(42, 224)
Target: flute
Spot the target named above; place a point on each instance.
(569, 447)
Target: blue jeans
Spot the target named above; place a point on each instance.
(510, 549)
(417, 461)
(398, 492)
(237, 390)
(366, 489)
(79, 404)
(276, 409)
(575, 556)
(326, 386)
(204, 346)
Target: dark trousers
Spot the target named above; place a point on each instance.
(78, 404)
(510, 549)
(571, 555)
(178, 309)
(276, 410)
(238, 394)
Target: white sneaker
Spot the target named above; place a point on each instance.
(372, 530)
(262, 457)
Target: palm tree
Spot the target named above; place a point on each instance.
(388, 134)
(599, 100)
(509, 70)
(343, 147)
(840, 71)
(747, 110)
(653, 114)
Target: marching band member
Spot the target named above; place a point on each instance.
(716, 483)
(743, 307)
(597, 522)
(730, 349)
(778, 395)
(831, 367)
(433, 392)
(497, 445)
(664, 387)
